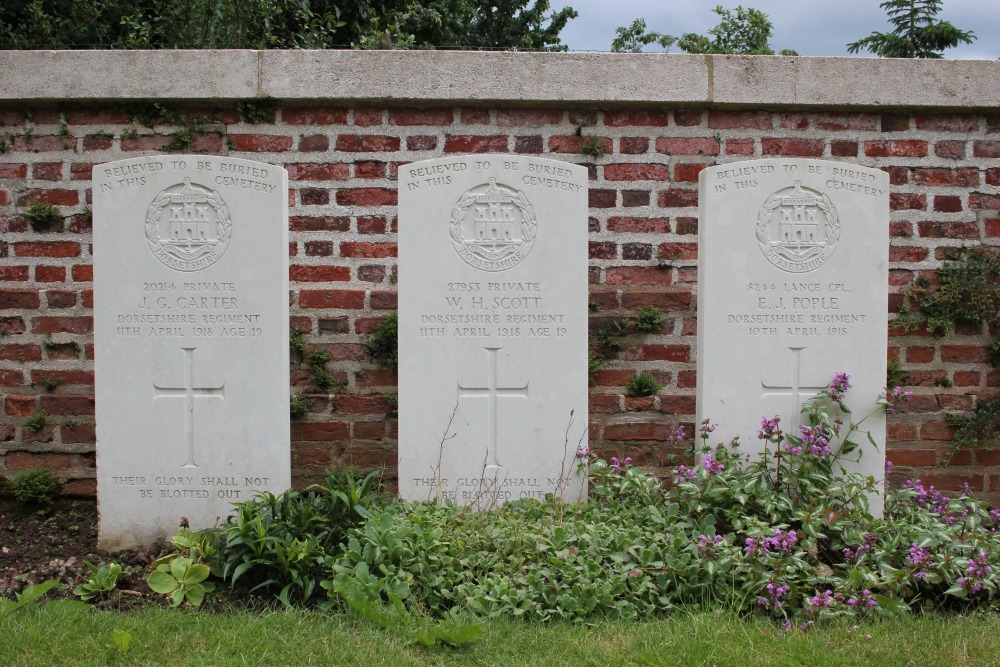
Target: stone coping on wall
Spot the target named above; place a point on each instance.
(499, 78)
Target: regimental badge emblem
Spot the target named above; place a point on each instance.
(798, 229)
(493, 227)
(188, 226)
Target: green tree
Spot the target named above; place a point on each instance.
(917, 33)
(632, 38)
(500, 24)
(741, 30)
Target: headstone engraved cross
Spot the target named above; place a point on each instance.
(189, 392)
(493, 393)
(798, 392)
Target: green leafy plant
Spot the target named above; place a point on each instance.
(967, 290)
(180, 140)
(183, 574)
(594, 364)
(993, 356)
(103, 580)
(37, 486)
(382, 346)
(593, 146)
(895, 376)
(50, 383)
(663, 263)
(26, 597)
(322, 378)
(122, 640)
(297, 341)
(298, 405)
(978, 428)
(183, 580)
(41, 215)
(393, 401)
(284, 543)
(787, 535)
(610, 335)
(649, 319)
(632, 38)
(740, 30)
(37, 421)
(396, 617)
(643, 384)
(256, 111)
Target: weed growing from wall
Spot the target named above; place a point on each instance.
(967, 290)
(382, 346)
(42, 215)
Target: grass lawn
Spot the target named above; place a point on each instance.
(60, 634)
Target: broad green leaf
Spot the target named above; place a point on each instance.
(162, 582)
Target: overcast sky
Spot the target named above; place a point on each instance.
(811, 27)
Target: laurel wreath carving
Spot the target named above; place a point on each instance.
(528, 225)
(153, 217)
(458, 215)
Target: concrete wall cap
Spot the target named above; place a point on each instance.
(433, 78)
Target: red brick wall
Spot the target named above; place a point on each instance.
(342, 165)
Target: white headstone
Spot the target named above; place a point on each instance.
(792, 288)
(492, 329)
(190, 341)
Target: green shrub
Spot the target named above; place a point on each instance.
(787, 534)
(41, 215)
(322, 378)
(382, 347)
(649, 319)
(643, 384)
(37, 486)
(37, 421)
(298, 406)
(285, 543)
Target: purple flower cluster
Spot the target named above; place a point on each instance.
(920, 559)
(979, 568)
(583, 451)
(774, 595)
(814, 438)
(684, 474)
(618, 467)
(769, 429)
(864, 601)
(852, 555)
(707, 428)
(706, 547)
(841, 383)
(782, 542)
(712, 466)
(827, 599)
(894, 397)
(933, 500)
(820, 601)
(676, 434)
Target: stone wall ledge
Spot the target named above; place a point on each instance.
(512, 79)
